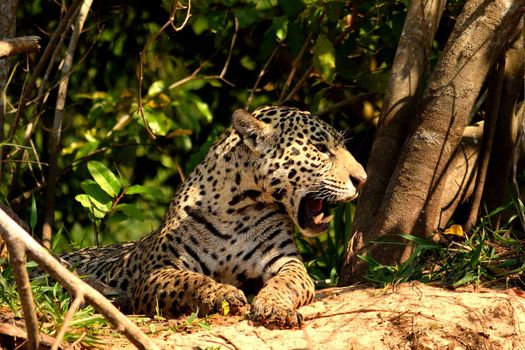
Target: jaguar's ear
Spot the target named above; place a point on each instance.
(252, 131)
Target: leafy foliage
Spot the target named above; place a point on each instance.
(148, 97)
(484, 257)
(152, 131)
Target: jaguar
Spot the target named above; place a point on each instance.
(228, 232)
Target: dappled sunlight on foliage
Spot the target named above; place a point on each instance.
(228, 55)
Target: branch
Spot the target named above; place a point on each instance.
(30, 87)
(17, 255)
(15, 330)
(140, 78)
(295, 65)
(11, 232)
(261, 74)
(20, 45)
(56, 132)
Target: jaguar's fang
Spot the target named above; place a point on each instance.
(319, 219)
(327, 219)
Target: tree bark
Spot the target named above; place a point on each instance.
(7, 30)
(460, 177)
(411, 203)
(399, 104)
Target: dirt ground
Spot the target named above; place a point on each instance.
(408, 316)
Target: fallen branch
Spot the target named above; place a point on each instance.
(20, 45)
(13, 234)
(17, 332)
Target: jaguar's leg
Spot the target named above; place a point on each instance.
(276, 303)
(173, 292)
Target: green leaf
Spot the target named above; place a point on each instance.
(104, 178)
(33, 216)
(199, 24)
(469, 277)
(100, 199)
(204, 326)
(225, 307)
(280, 25)
(158, 121)
(87, 202)
(265, 5)
(474, 260)
(131, 211)
(192, 317)
(156, 87)
(324, 58)
(140, 189)
(246, 16)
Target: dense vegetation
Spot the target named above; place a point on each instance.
(151, 89)
(331, 58)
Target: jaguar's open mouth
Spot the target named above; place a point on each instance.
(314, 214)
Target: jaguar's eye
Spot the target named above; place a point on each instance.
(321, 147)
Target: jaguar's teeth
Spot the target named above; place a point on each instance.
(327, 219)
(318, 219)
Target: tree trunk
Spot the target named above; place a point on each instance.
(411, 201)
(399, 104)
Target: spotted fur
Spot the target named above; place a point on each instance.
(229, 228)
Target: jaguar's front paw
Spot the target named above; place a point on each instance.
(275, 316)
(214, 302)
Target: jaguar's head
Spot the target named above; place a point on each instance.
(304, 163)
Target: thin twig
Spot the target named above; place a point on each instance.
(188, 15)
(140, 78)
(335, 42)
(50, 50)
(57, 124)
(40, 100)
(300, 83)
(77, 301)
(232, 45)
(295, 65)
(43, 59)
(261, 74)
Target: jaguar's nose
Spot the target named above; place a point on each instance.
(358, 181)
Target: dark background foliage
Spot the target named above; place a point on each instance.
(335, 54)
